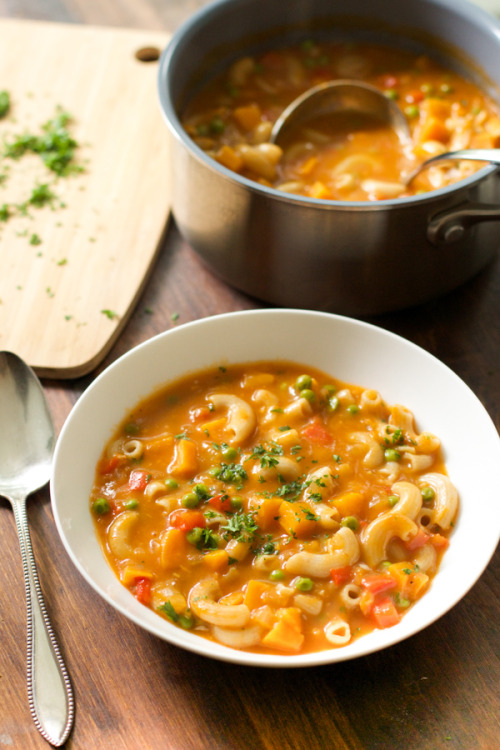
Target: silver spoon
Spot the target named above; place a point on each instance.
(27, 441)
(491, 155)
(341, 96)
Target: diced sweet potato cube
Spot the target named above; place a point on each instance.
(248, 116)
(185, 462)
(173, 547)
(284, 636)
(433, 129)
(255, 590)
(350, 503)
(229, 158)
(296, 519)
(438, 108)
(266, 510)
(217, 560)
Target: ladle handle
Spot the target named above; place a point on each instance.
(49, 688)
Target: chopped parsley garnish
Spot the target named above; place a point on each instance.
(230, 473)
(291, 490)
(4, 103)
(240, 526)
(55, 146)
(268, 457)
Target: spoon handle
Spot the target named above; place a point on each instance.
(49, 688)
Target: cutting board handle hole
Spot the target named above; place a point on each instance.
(148, 54)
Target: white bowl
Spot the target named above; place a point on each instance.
(347, 349)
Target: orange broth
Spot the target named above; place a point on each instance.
(342, 158)
(272, 508)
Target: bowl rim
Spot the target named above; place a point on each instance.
(472, 13)
(120, 598)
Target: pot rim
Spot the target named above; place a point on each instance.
(463, 8)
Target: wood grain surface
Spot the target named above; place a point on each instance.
(72, 270)
(438, 690)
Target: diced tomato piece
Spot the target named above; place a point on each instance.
(143, 590)
(384, 613)
(378, 582)
(420, 539)
(186, 520)
(414, 97)
(341, 575)
(317, 433)
(220, 502)
(138, 479)
(109, 465)
(390, 82)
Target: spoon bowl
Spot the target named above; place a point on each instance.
(27, 441)
(334, 97)
(491, 155)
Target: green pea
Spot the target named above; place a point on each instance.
(194, 536)
(392, 455)
(412, 111)
(352, 409)
(308, 394)
(428, 494)
(351, 522)
(171, 484)
(131, 504)
(392, 500)
(445, 88)
(391, 94)
(215, 471)
(427, 89)
(236, 503)
(229, 453)
(302, 382)
(201, 491)
(217, 125)
(101, 506)
(303, 584)
(276, 575)
(191, 500)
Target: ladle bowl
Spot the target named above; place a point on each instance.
(339, 96)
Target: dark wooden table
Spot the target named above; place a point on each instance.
(436, 690)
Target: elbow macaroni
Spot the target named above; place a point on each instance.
(292, 493)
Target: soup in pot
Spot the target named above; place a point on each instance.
(345, 156)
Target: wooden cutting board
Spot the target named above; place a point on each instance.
(72, 272)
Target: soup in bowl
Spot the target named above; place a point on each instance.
(278, 500)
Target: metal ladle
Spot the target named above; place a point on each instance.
(352, 96)
(27, 441)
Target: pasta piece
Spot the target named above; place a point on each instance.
(241, 419)
(241, 638)
(338, 632)
(350, 595)
(319, 565)
(374, 455)
(446, 498)
(133, 449)
(410, 499)
(201, 601)
(119, 533)
(377, 534)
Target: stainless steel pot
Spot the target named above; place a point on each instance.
(349, 257)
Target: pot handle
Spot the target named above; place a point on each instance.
(450, 226)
